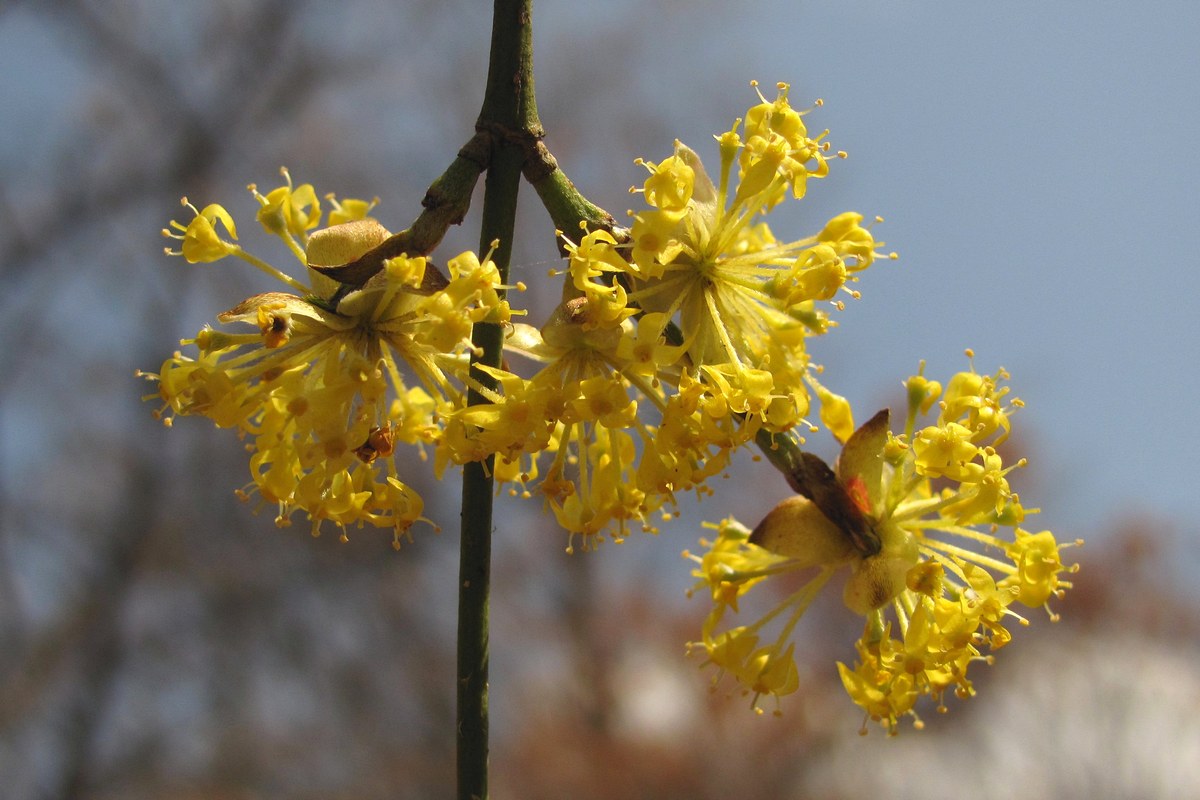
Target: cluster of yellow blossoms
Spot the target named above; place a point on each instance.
(677, 341)
(920, 491)
(322, 387)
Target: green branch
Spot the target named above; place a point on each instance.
(566, 206)
(445, 203)
(508, 106)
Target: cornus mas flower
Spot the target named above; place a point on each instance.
(954, 559)
(579, 411)
(322, 385)
(699, 321)
(745, 300)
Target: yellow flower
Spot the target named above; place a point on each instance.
(778, 146)
(645, 352)
(287, 209)
(689, 445)
(730, 568)
(944, 451)
(576, 410)
(944, 571)
(349, 209)
(744, 300)
(201, 240)
(322, 391)
(1038, 567)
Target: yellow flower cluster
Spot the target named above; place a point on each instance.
(325, 390)
(676, 342)
(939, 502)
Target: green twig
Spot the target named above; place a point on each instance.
(566, 206)
(445, 204)
(508, 116)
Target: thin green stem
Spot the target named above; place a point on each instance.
(566, 206)
(509, 114)
(445, 204)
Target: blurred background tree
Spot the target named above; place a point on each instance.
(158, 640)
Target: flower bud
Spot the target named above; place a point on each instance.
(341, 244)
(874, 582)
(797, 529)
